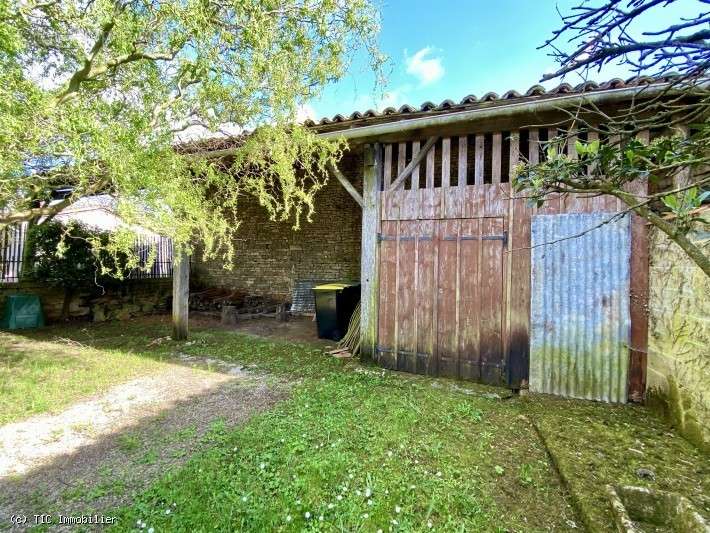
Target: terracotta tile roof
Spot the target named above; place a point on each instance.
(390, 114)
(471, 101)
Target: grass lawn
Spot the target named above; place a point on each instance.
(356, 448)
(47, 372)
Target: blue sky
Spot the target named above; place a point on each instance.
(451, 48)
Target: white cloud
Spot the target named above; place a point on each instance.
(426, 70)
(305, 112)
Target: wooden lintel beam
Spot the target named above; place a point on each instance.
(346, 184)
(414, 163)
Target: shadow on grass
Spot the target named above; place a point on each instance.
(593, 444)
(109, 471)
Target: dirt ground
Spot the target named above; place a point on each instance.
(296, 329)
(97, 453)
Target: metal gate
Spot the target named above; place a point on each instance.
(441, 308)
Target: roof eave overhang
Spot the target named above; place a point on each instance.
(372, 133)
(461, 119)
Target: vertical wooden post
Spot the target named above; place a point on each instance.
(369, 259)
(638, 352)
(181, 295)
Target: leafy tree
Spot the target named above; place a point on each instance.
(72, 257)
(94, 92)
(662, 177)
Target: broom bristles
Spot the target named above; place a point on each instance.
(351, 341)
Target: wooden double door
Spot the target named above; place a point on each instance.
(442, 297)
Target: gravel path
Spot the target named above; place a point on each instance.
(96, 453)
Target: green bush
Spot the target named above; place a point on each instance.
(71, 256)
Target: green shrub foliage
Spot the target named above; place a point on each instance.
(72, 256)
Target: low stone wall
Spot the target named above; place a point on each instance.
(131, 298)
(679, 339)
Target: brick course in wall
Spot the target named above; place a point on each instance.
(270, 256)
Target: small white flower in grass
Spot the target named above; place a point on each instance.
(298, 502)
(262, 466)
(358, 492)
(339, 497)
(331, 505)
(174, 505)
(416, 462)
(320, 518)
(389, 453)
(283, 440)
(438, 474)
(350, 476)
(288, 518)
(368, 492)
(412, 487)
(151, 530)
(394, 522)
(307, 515)
(167, 511)
(244, 498)
(429, 524)
(387, 491)
(379, 531)
(369, 502)
(366, 515)
(397, 509)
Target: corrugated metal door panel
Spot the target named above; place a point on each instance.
(579, 308)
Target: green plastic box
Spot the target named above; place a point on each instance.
(22, 311)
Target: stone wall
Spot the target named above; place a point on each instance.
(679, 338)
(270, 256)
(131, 298)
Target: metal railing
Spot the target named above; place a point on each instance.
(12, 247)
(162, 250)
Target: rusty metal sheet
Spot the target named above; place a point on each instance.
(580, 317)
